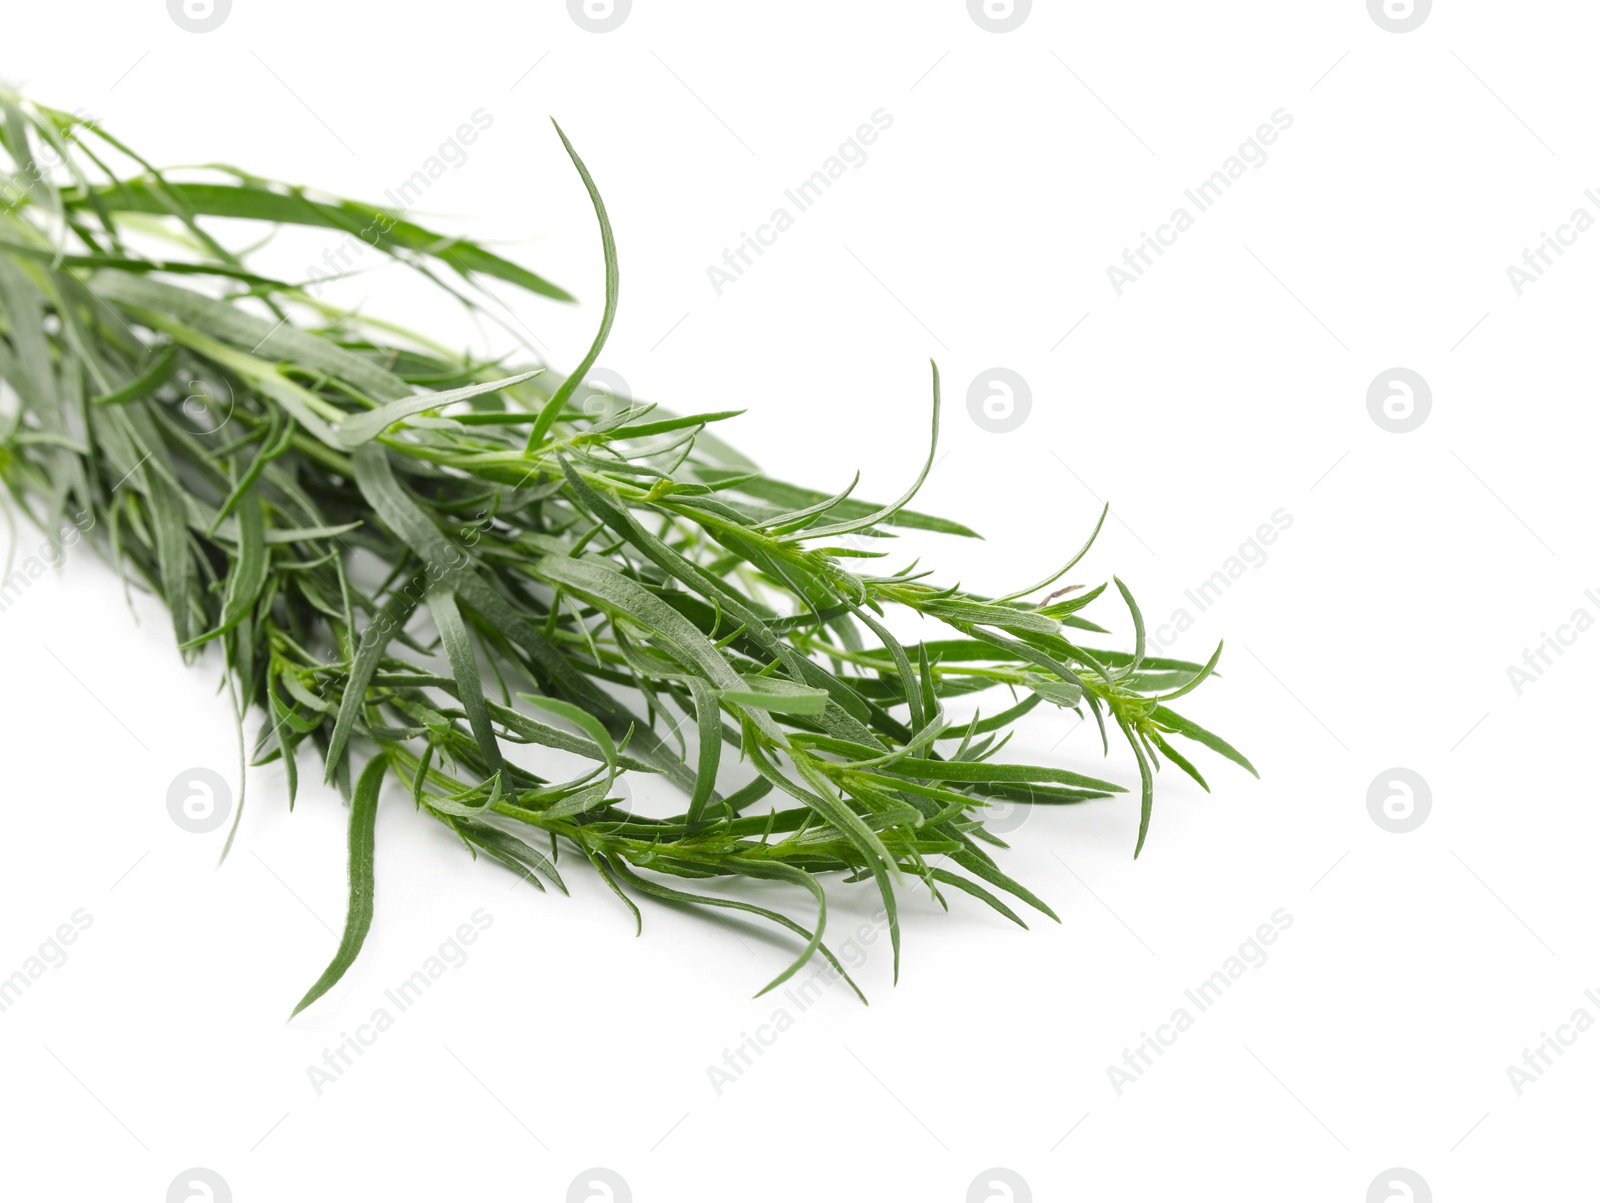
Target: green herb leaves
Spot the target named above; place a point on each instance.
(437, 575)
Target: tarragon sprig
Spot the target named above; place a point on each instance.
(441, 573)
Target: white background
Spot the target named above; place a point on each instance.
(1228, 383)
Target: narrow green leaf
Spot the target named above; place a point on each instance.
(558, 400)
(364, 427)
(146, 382)
(457, 640)
(1175, 722)
(708, 720)
(358, 917)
